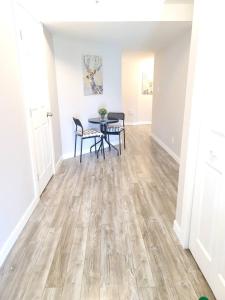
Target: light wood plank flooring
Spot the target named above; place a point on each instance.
(103, 231)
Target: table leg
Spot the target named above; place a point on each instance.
(111, 145)
(104, 131)
(100, 147)
(95, 144)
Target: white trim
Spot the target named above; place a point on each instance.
(58, 164)
(177, 230)
(85, 151)
(69, 155)
(166, 148)
(139, 123)
(190, 138)
(16, 231)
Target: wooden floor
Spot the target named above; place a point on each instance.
(104, 230)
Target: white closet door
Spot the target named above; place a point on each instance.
(34, 70)
(207, 240)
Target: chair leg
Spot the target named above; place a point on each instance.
(95, 146)
(81, 146)
(103, 149)
(124, 140)
(75, 146)
(119, 143)
(109, 143)
(100, 147)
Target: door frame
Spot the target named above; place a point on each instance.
(27, 111)
(193, 118)
(190, 142)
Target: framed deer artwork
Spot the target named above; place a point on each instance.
(92, 75)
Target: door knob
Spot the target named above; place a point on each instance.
(49, 114)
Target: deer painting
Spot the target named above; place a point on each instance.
(92, 75)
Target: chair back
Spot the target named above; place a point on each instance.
(78, 124)
(117, 115)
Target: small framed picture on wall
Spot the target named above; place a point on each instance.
(147, 84)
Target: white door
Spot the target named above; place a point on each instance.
(207, 237)
(34, 72)
(207, 240)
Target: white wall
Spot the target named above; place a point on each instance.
(137, 107)
(53, 96)
(72, 102)
(170, 79)
(16, 184)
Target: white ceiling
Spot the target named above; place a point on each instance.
(51, 11)
(179, 1)
(129, 35)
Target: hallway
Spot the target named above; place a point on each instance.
(104, 230)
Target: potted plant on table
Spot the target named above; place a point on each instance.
(102, 112)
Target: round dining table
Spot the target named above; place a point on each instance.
(103, 123)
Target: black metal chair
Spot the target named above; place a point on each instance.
(86, 134)
(118, 128)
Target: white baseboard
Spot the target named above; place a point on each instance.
(85, 151)
(71, 154)
(16, 231)
(67, 155)
(139, 123)
(58, 164)
(166, 148)
(177, 230)
(179, 234)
